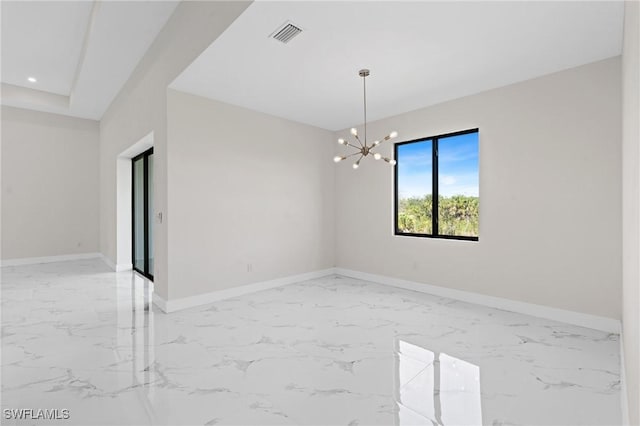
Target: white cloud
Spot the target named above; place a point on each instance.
(448, 180)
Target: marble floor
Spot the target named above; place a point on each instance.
(331, 351)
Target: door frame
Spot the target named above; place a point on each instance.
(145, 201)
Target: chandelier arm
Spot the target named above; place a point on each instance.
(358, 139)
(383, 140)
(352, 146)
(351, 155)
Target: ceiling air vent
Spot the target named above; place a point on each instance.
(286, 32)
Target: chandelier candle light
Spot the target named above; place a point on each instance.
(364, 149)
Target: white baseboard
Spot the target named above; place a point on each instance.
(49, 259)
(108, 261)
(124, 267)
(159, 302)
(609, 325)
(204, 299)
(114, 267)
(623, 386)
(570, 317)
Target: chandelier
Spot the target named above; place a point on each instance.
(364, 149)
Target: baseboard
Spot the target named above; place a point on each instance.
(168, 306)
(609, 325)
(114, 267)
(624, 396)
(108, 261)
(160, 302)
(49, 259)
(570, 317)
(124, 267)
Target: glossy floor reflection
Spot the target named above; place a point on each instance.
(331, 351)
(436, 387)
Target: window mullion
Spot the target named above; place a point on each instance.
(434, 189)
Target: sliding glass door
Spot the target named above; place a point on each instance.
(142, 214)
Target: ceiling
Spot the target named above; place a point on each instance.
(80, 52)
(419, 53)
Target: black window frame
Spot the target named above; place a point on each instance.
(434, 190)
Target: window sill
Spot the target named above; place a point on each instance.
(441, 237)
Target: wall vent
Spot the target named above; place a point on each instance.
(286, 32)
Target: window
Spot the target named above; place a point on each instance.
(437, 186)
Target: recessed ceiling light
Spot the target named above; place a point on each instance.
(32, 79)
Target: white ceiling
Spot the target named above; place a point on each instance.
(28, 52)
(419, 53)
(83, 51)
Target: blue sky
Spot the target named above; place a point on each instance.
(458, 163)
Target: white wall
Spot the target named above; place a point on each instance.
(141, 108)
(245, 189)
(49, 184)
(550, 197)
(631, 206)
